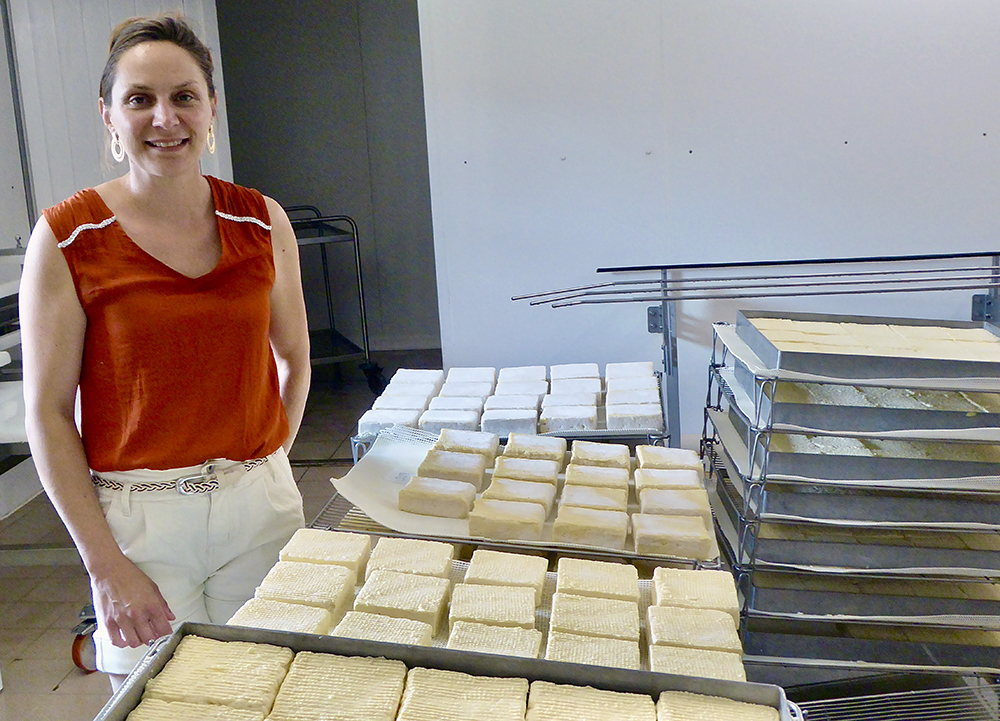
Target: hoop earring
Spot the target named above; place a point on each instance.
(210, 139)
(117, 149)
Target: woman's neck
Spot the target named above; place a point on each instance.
(165, 196)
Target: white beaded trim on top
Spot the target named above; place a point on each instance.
(243, 219)
(86, 226)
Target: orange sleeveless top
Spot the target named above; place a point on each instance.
(176, 370)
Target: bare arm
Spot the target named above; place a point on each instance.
(289, 331)
(53, 325)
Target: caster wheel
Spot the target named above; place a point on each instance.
(84, 653)
(376, 379)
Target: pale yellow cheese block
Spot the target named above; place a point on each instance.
(527, 469)
(311, 584)
(603, 579)
(605, 499)
(508, 569)
(437, 695)
(494, 605)
(610, 455)
(685, 706)
(678, 478)
(452, 466)
(600, 476)
(507, 520)
(282, 616)
(230, 673)
(485, 444)
(693, 628)
(722, 665)
(389, 629)
(555, 419)
(591, 527)
(696, 589)
(153, 709)
(508, 489)
(503, 640)
(591, 616)
(550, 448)
(412, 555)
(560, 702)
(405, 595)
(437, 497)
(595, 650)
(676, 502)
(677, 536)
(665, 458)
(312, 545)
(323, 686)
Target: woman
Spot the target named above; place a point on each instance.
(173, 301)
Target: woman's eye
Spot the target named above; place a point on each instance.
(185, 97)
(135, 100)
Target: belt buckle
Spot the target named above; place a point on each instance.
(204, 482)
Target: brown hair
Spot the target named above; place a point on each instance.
(138, 30)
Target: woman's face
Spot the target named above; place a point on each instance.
(160, 108)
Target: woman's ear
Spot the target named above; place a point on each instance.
(105, 113)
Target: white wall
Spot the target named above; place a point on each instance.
(13, 205)
(568, 135)
(61, 49)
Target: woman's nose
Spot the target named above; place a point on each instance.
(164, 114)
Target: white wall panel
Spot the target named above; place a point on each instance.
(61, 50)
(13, 203)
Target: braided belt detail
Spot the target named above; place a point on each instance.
(204, 482)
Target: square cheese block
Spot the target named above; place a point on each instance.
(492, 605)
(311, 584)
(645, 416)
(281, 616)
(478, 374)
(609, 455)
(592, 616)
(373, 421)
(485, 444)
(437, 695)
(676, 502)
(599, 476)
(522, 388)
(521, 374)
(511, 402)
(389, 629)
(452, 466)
(436, 421)
(153, 709)
(437, 497)
(696, 589)
(591, 527)
(679, 479)
(426, 389)
(358, 687)
(677, 536)
(229, 673)
(643, 396)
(555, 419)
(722, 665)
(418, 375)
(550, 448)
(503, 640)
(507, 489)
(479, 391)
(633, 383)
(527, 469)
(668, 458)
(455, 403)
(401, 402)
(603, 579)
(686, 706)
(569, 399)
(548, 701)
(607, 499)
(573, 386)
(506, 421)
(314, 545)
(412, 555)
(628, 370)
(496, 568)
(693, 628)
(507, 520)
(574, 370)
(595, 650)
(405, 595)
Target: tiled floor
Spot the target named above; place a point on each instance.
(39, 605)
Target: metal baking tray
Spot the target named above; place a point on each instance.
(478, 664)
(867, 367)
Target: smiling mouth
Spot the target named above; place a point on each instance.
(166, 143)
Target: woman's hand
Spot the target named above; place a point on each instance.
(129, 605)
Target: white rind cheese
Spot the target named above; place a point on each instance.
(375, 627)
(507, 489)
(591, 616)
(567, 418)
(678, 478)
(503, 640)
(452, 466)
(436, 421)
(552, 448)
(282, 616)
(312, 584)
(527, 469)
(496, 568)
(590, 527)
(405, 595)
(676, 502)
(693, 627)
(373, 421)
(493, 605)
(696, 589)
(520, 374)
(609, 455)
(312, 545)
(595, 650)
(437, 497)
(602, 579)
(476, 374)
(677, 536)
(632, 416)
(507, 520)
(507, 421)
(605, 499)
(577, 475)
(722, 665)
(574, 370)
(412, 555)
(662, 457)
(485, 444)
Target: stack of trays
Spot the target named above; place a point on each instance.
(858, 486)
